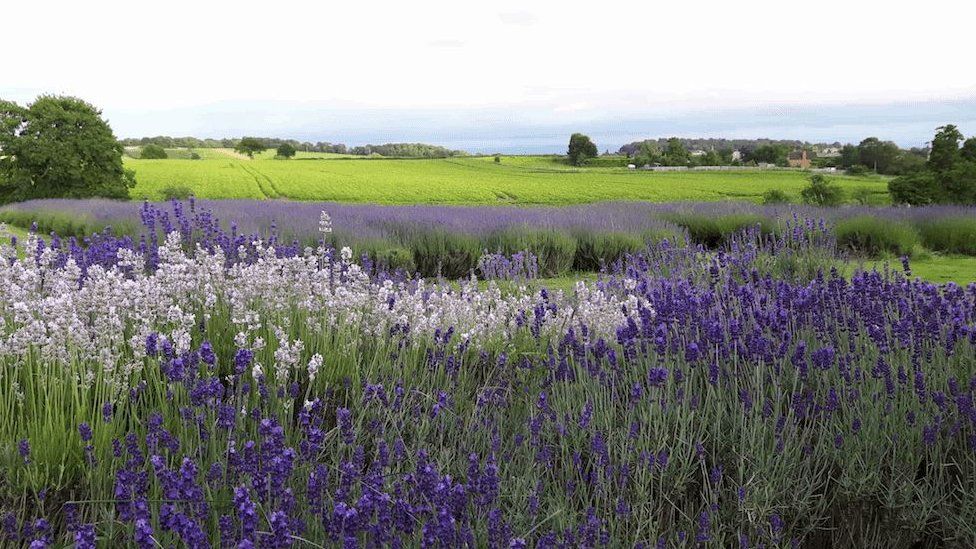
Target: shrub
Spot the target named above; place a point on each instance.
(862, 196)
(176, 192)
(394, 259)
(153, 152)
(858, 169)
(821, 192)
(674, 236)
(285, 151)
(873, 236)
(949, 234)
(554, 250)
(712, 231)
(595, 250)
(775, 196)
(438, 252)
(194, 155)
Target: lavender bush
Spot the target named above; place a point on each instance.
(213, 390)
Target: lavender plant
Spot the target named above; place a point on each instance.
(201, 388)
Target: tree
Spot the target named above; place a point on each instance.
(771, 154)
(59, 146)
(580, 149)
(250, 145)
(945, 148)
(878, 155)
(153, 152)
(968, 151)
(821, 192)
(849, 156)
(286, 150)
(948, 177)
(675, 153)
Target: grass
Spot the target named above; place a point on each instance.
(516, 180)
(937, 268)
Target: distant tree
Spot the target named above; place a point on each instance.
(648, 154)
(580, 149)
(968, 151)
(821, 192)
(770, 154)
(59, 146)
(878, 155)
(675, 153)
(153, 151)
(286, 150)
(250, 145)
(849, 156)
(498, 159)
(948, 177)
(945, 148)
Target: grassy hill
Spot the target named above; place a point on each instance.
(516, 180)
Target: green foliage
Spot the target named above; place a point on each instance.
(771, 154)
(775, 196)
(153, 152)
(878, 155)
(713, 231)
(250, 145)
(176, 192)
(594, 251)
(580, 149)
(443, 253)
(949, 234)
(945, 149)
(554, 250)
(675, 154)
(873, 236)
(65, 224)
(949, 176)
(498, 159)
(286, 150)
(59, 146)
(821, 192)
(861, 196)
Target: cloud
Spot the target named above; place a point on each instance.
(518, 18)
(446, 44)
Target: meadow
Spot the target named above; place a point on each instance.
(516, 180)
(193, 386)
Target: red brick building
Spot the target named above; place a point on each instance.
(798, 159)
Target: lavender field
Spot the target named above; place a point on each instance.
(449, 240)
(192, 385)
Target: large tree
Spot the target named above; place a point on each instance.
(949, 176)
(286, 150)
(250, 145)
(580, 148)
(59, 147)
(878, 155)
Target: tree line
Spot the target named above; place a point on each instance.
(413, 150)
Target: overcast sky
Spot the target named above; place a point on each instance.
(502, 75)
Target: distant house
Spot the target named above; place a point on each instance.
(737, 156)
(829, 152)
(697, 152)
(798, 159)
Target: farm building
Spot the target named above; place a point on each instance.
(798, 159)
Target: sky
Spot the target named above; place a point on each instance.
(506, 76)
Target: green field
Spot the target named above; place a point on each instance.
(475, 180)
